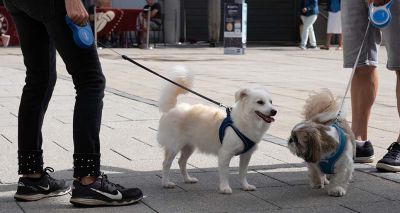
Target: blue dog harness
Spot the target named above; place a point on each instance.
(248, 144)
(327, 165)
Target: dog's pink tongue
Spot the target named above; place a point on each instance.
(269, 119)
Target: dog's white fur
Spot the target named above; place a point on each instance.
(184, 127)
(316, 137)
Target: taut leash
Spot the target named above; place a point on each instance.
(163, 77)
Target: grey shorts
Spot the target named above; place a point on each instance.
(355, 22)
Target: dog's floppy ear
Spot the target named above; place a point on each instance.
(313, 147)
(240, 94)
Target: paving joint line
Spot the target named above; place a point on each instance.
(270, 202)
(121, 154)
(6, 138)
(142, 142)
(149, 206)
(61, 146)
(19, 205)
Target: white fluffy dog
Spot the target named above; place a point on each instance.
(184, 127)
(316, 140)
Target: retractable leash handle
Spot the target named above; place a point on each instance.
(380, 16)
(83, 35)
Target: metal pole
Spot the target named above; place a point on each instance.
(148, 27)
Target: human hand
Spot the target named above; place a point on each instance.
(76, 11)
(378, 2)
(304, 10)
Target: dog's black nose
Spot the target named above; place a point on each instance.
(273, 112)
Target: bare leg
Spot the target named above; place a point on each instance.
(243, 165)
(363, 93)
(398, 96)
(328, 40)
(169, 157)
(340, 41)
(186, 152)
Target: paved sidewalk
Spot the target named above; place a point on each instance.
(131, 155)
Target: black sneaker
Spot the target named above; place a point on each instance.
(391, 161)
(103, 193)
(364, 152)
(30, 189)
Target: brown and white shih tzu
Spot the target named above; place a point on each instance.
(326, 142)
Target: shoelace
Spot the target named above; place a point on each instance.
(46, 170)
(393, 151)
(104, 181)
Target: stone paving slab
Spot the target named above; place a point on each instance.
(382, 206)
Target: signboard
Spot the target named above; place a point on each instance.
(235, 21)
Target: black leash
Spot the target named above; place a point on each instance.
(165, 78)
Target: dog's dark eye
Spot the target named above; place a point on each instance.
(293, 138)
(270, 101)
(260, 102)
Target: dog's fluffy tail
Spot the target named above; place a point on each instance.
(321, 107)
(169, 94)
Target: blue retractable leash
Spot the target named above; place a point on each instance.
(83, 35)
(380, 16)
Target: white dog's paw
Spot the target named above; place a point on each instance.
(249, 187)
(337, 191)
(225, 190)
(317, 186)
(191, 180)
(168, 184)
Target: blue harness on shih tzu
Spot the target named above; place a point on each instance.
(327, 165)
(248, 144)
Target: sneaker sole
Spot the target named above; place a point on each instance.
(388, 167)
(35, 197)
(94, 202)
(364, 159)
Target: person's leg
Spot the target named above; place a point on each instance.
(90, 188)
(340, 42)
(328, 42)
(39, 59)
(354, 19)
(313, 41)
(304, 32)
(364, 89)
(391, 160)
(143, 29)
(84, 66)
(398, 96)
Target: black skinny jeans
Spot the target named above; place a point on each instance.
(42, 29)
